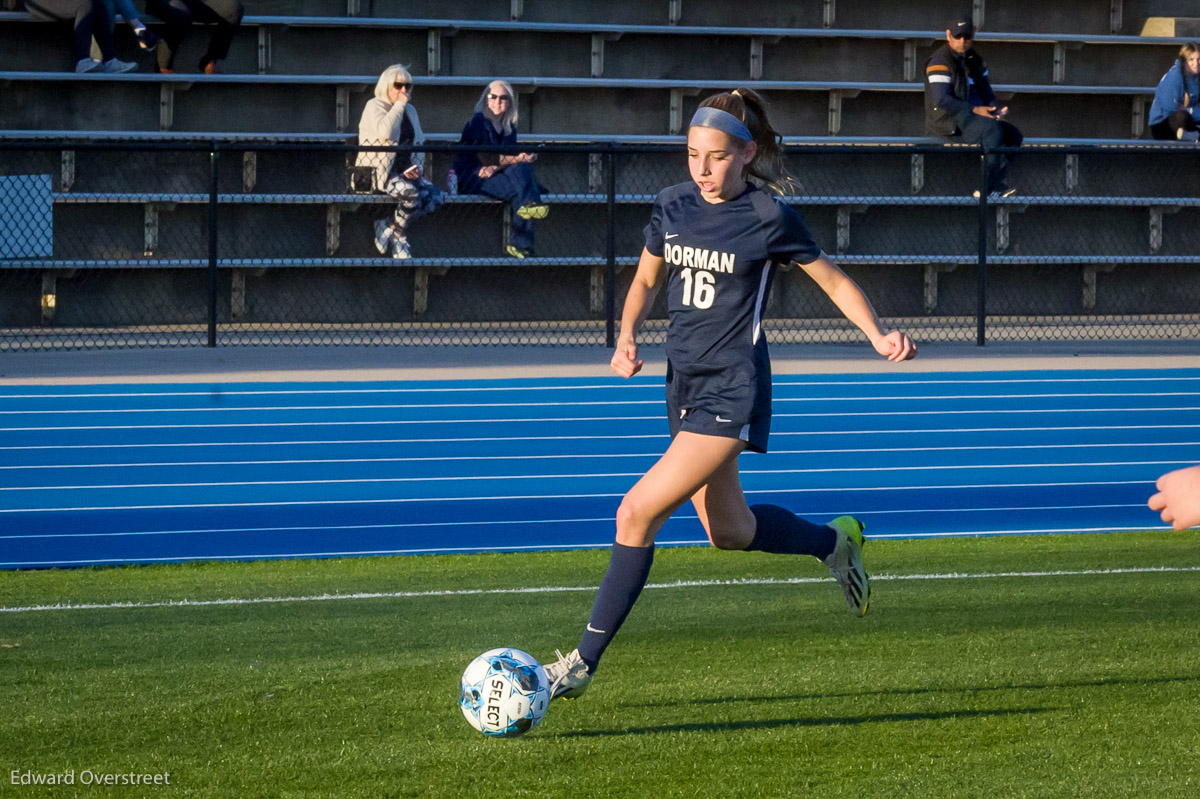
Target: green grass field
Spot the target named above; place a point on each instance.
(1072, 670)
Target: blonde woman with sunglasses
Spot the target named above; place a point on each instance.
(390, 119)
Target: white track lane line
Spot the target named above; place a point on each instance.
(576, 455)
(528, 522)
(576, 403)
(544, 497)
(780, 381)
(587, 476)
(663, 436)
(574, 420)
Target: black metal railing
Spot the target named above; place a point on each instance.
(132, 244)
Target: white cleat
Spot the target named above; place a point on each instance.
(569, 676)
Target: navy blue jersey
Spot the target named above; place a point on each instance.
(720, 261)
(479, 130)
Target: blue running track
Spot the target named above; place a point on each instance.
(105, 474)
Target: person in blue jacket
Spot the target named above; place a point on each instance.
(1173, 114)
(713, 243)
(505, 176)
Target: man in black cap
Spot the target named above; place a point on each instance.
(960, 103)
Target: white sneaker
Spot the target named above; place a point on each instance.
(568, 675)
(1188, 135)
(87, 65)
(400, 250)
(999, 194)
(845, 563)
(383, 235)
(113, 66)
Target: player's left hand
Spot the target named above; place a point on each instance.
(896, 346)
(412, 173)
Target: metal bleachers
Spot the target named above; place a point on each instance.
(330, 102)
(322, 66)
(297, 78)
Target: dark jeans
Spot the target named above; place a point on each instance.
(517, 185)
(179, 15)
(1169, 128)
(92, 18)
(992, 133)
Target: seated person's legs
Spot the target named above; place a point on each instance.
(227, 16)
(989, 133)
(177, 17)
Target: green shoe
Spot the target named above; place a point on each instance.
(533, 211)
(845, 563)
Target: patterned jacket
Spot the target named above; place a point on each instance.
(954, 85)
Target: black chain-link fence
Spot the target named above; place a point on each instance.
(157, 244)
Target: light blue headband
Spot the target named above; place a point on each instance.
(709, 117)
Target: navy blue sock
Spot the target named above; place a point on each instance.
(622, 584)
(780, 531)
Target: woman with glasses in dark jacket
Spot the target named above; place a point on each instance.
(505, 176)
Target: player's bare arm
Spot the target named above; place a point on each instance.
(854, 305)
(638, 302)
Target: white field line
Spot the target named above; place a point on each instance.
(576, 456)
(220, 408)
(642, 384)
(574, 419)
(194, 603)
(480, 439)
(588, 476)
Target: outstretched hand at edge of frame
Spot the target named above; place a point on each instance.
(1178, 498)
(896, 346)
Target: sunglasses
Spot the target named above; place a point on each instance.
(406, 86)
(504, 98)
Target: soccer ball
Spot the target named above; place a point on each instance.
(504, 692)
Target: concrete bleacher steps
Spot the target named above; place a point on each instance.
(836, 72)
(295, 103)
(1091, 16)
(446, 46)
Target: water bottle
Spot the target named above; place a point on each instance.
(452, 182)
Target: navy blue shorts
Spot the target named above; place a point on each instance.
(742, 416)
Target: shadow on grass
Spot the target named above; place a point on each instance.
(1123, 682)
(831, 721)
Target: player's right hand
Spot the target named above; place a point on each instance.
(625, 360)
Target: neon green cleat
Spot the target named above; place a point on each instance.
(845, 563)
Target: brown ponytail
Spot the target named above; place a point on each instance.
(767, 168)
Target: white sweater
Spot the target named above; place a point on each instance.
(380, 126)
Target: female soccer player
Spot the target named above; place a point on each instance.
(716, 240)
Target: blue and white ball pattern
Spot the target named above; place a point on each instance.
(504, 692)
